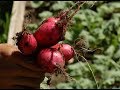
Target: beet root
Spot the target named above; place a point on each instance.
(49, 59)
(67, 50)
(26, 43)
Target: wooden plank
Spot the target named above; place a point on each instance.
(17, 18)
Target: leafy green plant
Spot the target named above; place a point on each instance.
(4, 28)
(99, 32)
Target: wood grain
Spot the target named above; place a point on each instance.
(17, 19)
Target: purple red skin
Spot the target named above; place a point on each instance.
(49, 33)
(66, 50)
(48, 59)
(27, 44)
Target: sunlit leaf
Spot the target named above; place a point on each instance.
(45, 14)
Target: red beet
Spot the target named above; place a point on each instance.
(53, 29)
(49, 33)
(49, 58)
(26, 43)
(52, 19)
(66, 50)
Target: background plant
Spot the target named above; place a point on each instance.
(4, 19)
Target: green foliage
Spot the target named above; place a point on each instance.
(4, 27)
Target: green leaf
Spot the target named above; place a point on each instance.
(115, 4)
(117, 54)
(69, 35)
(64, 86)
(110, 50)
(58, 6)
(109, 81)
(87, 36)
(86, 83)
(104, 9)
(45, 14)
(36, 4)
(32, 26)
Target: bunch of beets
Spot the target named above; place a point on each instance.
(44, 44)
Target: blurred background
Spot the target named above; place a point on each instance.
(99, 24)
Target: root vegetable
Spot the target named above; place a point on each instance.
(66, 50)
(49, 59)
(26, 43)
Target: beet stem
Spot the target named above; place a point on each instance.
(77, 9)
